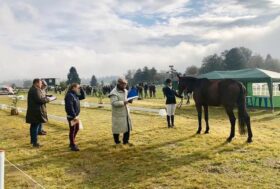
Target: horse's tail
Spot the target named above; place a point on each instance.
(241, 103)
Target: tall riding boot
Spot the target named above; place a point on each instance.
(172, 120)
(168, 121)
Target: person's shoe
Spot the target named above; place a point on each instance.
(128, 144)
(42, 133)
(118, 145)
(75, 148)
(37, 145)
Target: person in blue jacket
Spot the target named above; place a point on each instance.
(170, 95)
(72, 107)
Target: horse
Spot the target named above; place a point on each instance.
(227, 93)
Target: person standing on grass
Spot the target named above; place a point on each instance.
(170, 95)
(72, 107)
(121, 122)
(36, 110)
(146, 87)
(44, 93)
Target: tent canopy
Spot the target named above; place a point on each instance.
(245, 76)
(255, 75)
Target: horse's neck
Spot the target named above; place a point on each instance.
(200, 85)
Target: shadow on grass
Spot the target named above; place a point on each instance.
(130, 165)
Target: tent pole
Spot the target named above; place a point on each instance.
(270, 88)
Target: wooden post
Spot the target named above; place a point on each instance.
(2, 165)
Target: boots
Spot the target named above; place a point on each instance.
(168, 121)
(172, 120)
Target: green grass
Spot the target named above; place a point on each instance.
(161, 157)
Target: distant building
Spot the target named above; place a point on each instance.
(52, 82)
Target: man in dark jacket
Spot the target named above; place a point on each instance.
(72, 108)
(36, 110)
(170, 102)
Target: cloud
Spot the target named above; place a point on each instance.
(45, 38)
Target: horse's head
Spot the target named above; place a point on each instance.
(186, 84)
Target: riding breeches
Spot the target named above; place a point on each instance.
(170, 109)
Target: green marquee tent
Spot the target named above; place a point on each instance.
(247, 76)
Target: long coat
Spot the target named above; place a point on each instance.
(121, 121)
(36, 109)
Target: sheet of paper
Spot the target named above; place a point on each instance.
(74, 122)
(131, 98)
(52, 98)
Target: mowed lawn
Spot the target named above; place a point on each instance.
(161, 157)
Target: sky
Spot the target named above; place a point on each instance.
(44, 38)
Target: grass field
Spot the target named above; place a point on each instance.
(161, 157)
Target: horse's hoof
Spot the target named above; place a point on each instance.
(249, 140)
(206, 132)
(229, 140)
(198, 132)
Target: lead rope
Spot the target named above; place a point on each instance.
(25, 174)
(180, 103)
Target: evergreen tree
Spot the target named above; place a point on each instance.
(73, 76)
(93, 81)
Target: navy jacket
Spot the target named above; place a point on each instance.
(170, 95)
(72, 104)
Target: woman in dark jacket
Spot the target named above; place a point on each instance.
(72, 108)
(170, 95)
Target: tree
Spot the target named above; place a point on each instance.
(152, 74)
(63, 85)
(73, 76)
(271, 64)
(93, 81)
(236, 58)
(256, 61)
(212, 63)
(192, 70)
(138, 77)
(27, 84)
(129, 77)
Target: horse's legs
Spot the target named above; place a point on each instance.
(199, 114)
(248, 123)
(206, 117)
(232, 119)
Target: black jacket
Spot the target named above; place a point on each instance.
(72, 104)
(36, 108)
(170, 95)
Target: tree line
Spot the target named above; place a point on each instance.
(234, 59)
(145, 75)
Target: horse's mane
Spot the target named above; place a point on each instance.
(189, 78)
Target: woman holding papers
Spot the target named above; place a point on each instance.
(121, 122)
(72, 108)
(170, 95)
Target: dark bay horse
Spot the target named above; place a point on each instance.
(227, 93)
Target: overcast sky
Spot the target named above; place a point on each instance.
(44, 38)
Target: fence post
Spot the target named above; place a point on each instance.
(2, 165)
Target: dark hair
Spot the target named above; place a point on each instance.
(37, 80)
(168, 81)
